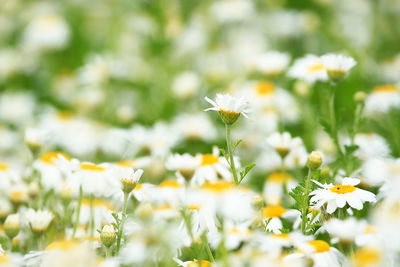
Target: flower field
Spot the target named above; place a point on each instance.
(200, 133)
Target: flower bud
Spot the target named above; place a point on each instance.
(12, 225)
(360, 97)
(108, 235)
(325, 172)
(314, 160)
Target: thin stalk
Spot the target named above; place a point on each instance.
(209, 253)
(306, 204)
(357, 119)
(91, 217)
(231, 160)
(121, 226)
(334, 130)
(78, 212)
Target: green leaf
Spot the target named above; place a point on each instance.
(225, 155)
(326, 125)
(235, 145)
(350, 149)
(246, 171)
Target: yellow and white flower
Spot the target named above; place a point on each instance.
(382, 99)
(338, 195)
(320, 252)
(310, 68)
(229, 107)
(38, 220)
(337, 66)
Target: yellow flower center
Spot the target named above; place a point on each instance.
(170, 183)
(242, 232)
(278, 177)
(370, 229)
(49, 157)
(265, 88)
(203, 263)
(194, 207)
(3, 167)
(316, 67)
(126, 163)
(19, 195)
(273, 211)
(218, 186)
(4, 259)
(64, 115)
(138, 187)
(281, 236)
(366, 257)
(98, 203)
(208, 159)
(92, 167)
(163, 207)
(62, 245)
(319, 246)
(385, 88)
(342, 189)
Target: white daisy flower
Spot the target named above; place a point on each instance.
(320, 252)
(184, 164)
(382, 99)
(283, 143)
(310, 68)
(272, 63)
(338, 195)
(272, 215)
(229, 107)
(337, 65)
(39, 220)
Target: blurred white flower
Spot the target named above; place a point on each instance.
(47, 31)
(310, 68)
(38, 220)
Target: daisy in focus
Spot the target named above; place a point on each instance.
(336, 196)
(229, 107)
(337, 66)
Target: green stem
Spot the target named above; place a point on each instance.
(304, 210)
(231, 160)
(357, 119)
(334, 130)
(205, 242)
(91, 217)
(123, 218)
(78, 212)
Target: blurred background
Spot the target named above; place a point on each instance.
(121, 80)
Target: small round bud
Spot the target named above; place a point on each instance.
(336, 75)
(325, 172)
(229, 117)
(258, 202)
(314, 160)
(12, 225)
(34, 189)
(360, 97)
(144, 210)
(301, 88)
(108, 235)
